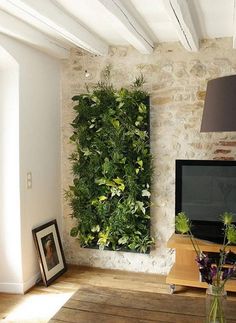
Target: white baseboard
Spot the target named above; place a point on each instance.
(11, 288)
(31, 282)
(19, 288)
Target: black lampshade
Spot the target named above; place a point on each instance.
(219, 112)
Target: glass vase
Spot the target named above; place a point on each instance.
(215, 304)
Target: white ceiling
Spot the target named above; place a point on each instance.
(57, 25)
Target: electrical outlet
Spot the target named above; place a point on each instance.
(29, 180)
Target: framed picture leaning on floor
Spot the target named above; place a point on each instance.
(49, 249)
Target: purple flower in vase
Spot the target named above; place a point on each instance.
(205, 268)
(227, 273)
(206, 276)
(213, 271)
(215, 268)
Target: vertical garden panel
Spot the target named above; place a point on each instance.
(111, 163)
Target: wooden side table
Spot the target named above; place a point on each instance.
(185, 270)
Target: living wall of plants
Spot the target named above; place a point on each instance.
(111, 164)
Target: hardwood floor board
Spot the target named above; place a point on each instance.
(88, 271)
(135, 299)
(77, 316)
(134, 313)
(74, 269)
(120, 279)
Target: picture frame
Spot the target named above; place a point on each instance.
(49, 250)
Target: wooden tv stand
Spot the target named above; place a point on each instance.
(185, 270)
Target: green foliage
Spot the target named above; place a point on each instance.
(139, 81)
(111, 164)
(226, 218)
(182, 223)
(231, 234)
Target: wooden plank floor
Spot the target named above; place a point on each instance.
(41, 303)
(109, 305)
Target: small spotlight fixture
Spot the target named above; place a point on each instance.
(86, 73)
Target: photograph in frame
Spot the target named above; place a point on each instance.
(50, 253)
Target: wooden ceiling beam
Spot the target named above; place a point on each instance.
(180, 15)
(51, 17)
(127, 26)
(19, 30)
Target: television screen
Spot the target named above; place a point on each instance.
(205, 189)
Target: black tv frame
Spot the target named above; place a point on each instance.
(206, 230)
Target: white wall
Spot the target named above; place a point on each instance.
(39, 146)
(10, 243)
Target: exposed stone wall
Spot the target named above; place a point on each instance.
(176, 80)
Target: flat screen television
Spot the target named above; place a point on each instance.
(205, 189)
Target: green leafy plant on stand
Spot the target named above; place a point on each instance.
(111, 164)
